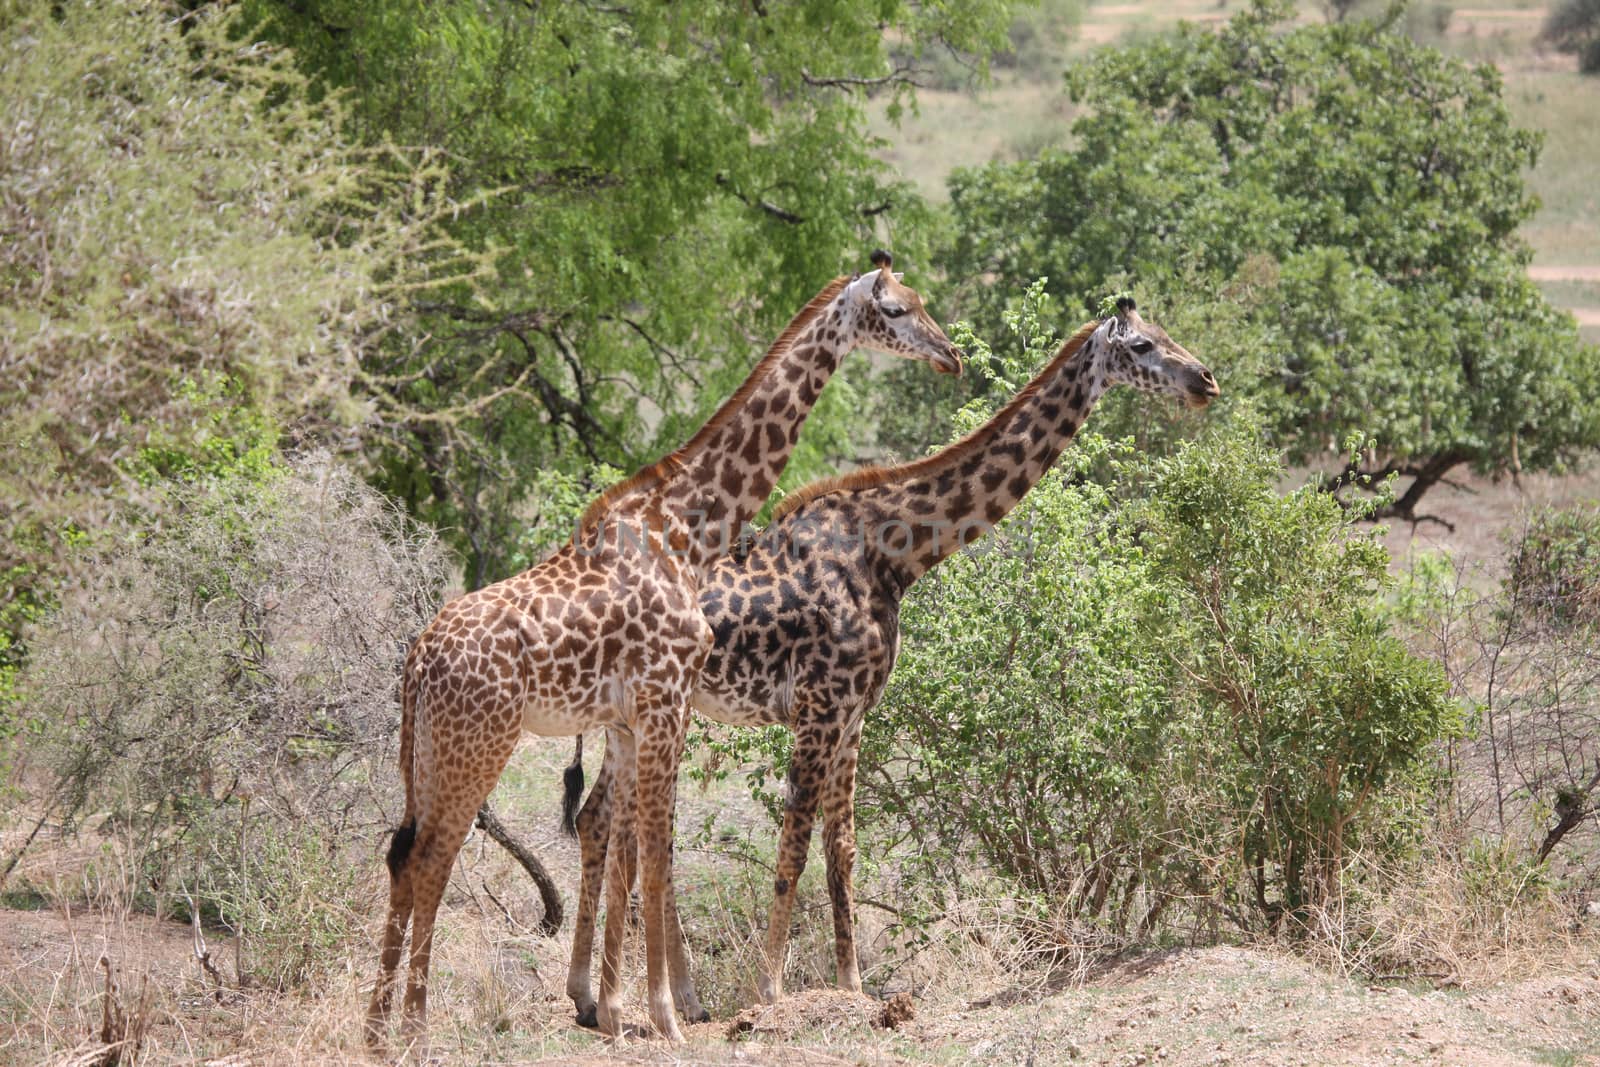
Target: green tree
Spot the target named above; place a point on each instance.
(1329, 213)
(666, 183)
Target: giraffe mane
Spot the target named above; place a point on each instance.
(673, 462)
(869, 477)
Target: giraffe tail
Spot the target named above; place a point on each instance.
(572, 791)
(406, 835)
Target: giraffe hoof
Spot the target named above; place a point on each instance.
(588, 1018)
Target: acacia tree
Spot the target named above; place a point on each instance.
(665, 184)
(1329, 213)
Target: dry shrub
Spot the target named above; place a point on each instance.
(1462, 912)
(217, 703)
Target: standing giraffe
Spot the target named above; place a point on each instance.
(807, 622)
(607, 631)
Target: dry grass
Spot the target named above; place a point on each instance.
(1460, 917)
(990, 982)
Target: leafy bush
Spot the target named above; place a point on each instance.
(220, 693)
(1555, 566)
(1177, 694)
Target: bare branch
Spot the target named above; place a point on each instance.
(900, 75)
(491, 825)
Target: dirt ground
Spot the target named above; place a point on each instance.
(1188, 1006)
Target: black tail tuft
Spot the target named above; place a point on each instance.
(572, 781)
(400, 847)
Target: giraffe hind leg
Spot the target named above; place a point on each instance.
(839, 841)
(442, 826)
(394, 933)
(593, 827)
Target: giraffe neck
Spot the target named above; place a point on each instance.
(700, 496)
(927, 510)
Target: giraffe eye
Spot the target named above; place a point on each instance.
(892, 312)
(1141, 347)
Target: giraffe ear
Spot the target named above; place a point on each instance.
(899, 276)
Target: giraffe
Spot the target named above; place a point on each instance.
(607, 631)
(807, 621)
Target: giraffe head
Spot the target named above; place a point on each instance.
(1140, 354)
(882, 314)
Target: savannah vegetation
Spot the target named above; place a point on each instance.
(315, 312)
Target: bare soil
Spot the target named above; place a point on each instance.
(1222, 1005)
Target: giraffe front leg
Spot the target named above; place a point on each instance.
(662, 728)
(683, 993)
(839, 842)
(799, 814)
(594, 829)
(620, 864)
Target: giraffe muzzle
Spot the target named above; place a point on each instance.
(1203, 388)
(948, 362)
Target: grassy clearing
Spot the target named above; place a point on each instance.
(1567, 229)
(1016, 118)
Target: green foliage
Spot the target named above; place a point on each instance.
(1181, 694)
(1329, 214)
(556, 501)
(224, 435)
(665, 185)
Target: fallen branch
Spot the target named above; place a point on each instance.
(490, 824)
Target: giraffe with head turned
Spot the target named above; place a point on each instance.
(607, 631)
(807, 621)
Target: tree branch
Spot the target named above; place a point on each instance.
(1571, 809)
(655, 346)
(490, 824)
(900, 74)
